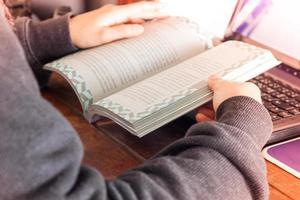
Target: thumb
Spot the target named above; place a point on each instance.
(213, 82)
(110, 34)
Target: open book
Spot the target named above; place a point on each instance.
(145, 82)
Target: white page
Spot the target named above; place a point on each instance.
(109, 68)
(185, 77)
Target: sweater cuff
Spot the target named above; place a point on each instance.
(247, 114)
(46, 40)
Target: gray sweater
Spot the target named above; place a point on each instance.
(41, 154)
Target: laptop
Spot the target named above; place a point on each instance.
(279, 31)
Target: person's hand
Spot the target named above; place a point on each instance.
(112, 22)
(6, 13)
(224, 90)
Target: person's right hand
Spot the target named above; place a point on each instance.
(224, 90)
(112, 22)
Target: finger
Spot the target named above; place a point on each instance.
(110, 34)
(123, 13)
(136, 21)
(150, 15)
(202, 118)
(213, 81)
(205, 114)
(214, 76)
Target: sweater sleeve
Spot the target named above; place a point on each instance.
(216, 160)
(44, 41)
(41, 153)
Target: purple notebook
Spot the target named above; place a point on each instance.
(286, 155)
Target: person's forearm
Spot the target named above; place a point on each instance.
(44, 41)
(217, 160)
(35, 139)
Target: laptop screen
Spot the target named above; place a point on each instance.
(278, 28)
(213, 16)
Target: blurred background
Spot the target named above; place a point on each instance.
(44, 9)
(272, 22)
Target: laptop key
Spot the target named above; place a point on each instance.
(266, 81)
(282, 105)
(259, 77)
(275, 85)
(297, 98)
(275, 110)
(269, 105)
(286, 99)
(294, 111)
(284, 114)
(277, 94)
(295, 103)
(283, 90)
(291, 94)
(271, 85)
(282, 101)
(264, 94)
(275, 117)
(286, 91)
(269, 98)
(267, 90)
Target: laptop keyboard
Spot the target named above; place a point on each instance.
(281, 100)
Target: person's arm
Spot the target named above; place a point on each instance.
(41, 154)
(216, 160)
(44, 41)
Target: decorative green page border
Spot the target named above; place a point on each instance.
(77, 82)
(133, 117)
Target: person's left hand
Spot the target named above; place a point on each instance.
(224, 90)
(111, 23)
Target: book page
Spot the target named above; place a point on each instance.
(176, 83)
(112, 67)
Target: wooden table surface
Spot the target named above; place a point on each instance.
(112, 150)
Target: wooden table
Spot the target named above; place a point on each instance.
(112, 150)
